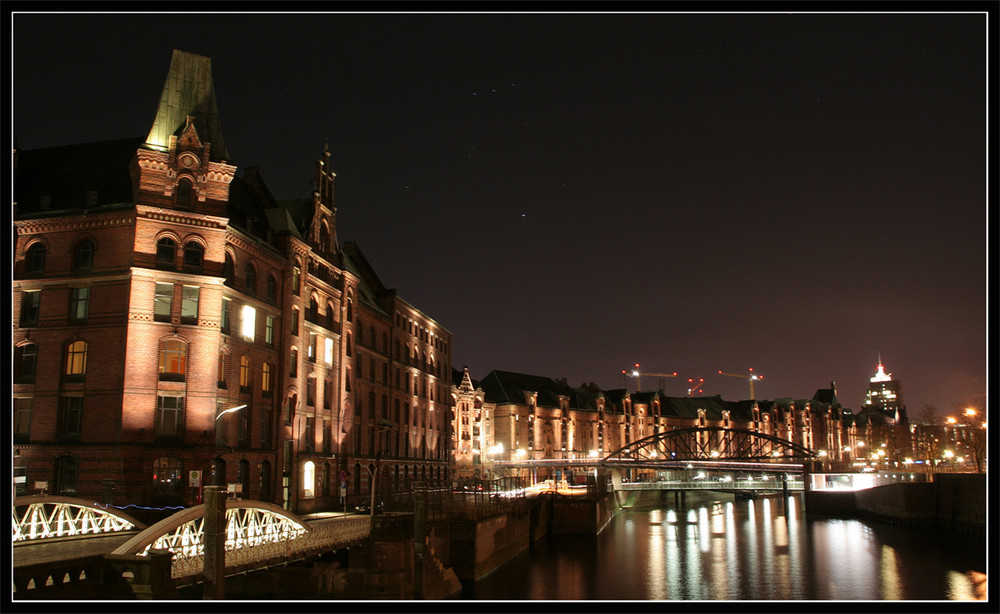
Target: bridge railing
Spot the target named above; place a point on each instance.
(755, 485)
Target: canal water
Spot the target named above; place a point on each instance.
(721, 548)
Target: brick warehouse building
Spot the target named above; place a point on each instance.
(175, 326)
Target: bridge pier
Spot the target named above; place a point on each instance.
(214, 543)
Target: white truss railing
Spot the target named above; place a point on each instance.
(257, 534)
(64, 517)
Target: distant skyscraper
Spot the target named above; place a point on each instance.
(885, 396)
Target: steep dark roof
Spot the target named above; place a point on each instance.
(188, 90)
(504, 387)
(66, 174)
(687, 407)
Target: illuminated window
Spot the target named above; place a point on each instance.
(167, 476)
(76, 358)
(189, 305)
(170, 416)
(35, 260)
(248, 323)
(308, 478)
(244, 373)
(79, 302)
(328, 347)
(162, 302)
(312, 347)
(166, 252)
(173, 360)
(265, 379)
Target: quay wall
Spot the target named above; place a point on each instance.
(951, 501)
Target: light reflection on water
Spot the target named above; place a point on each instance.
(764, 549)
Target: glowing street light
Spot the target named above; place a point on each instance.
(230, 410)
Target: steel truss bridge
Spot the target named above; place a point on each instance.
(258, 535)
(705, 448)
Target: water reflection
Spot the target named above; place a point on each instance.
(764, 549)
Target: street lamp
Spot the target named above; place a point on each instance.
(383, 426)
(230, 410)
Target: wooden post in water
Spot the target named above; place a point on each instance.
(419, 513)
(214, 544)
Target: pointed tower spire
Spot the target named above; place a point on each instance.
(188, 92)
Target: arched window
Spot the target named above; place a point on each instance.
(250, 276)
(324, 238)
(173, 360)
(244, 374)
(35, 258)
(295, 321)
(313, 314)
(185, 192)
(265, 379)
(25, 362)
(350, 310)
(194, 253)
(84, 254)
(329, 316)
(229, 270)
(272, 288)
(293, 360)
(76, 358)
(166, 252)
(167, 478)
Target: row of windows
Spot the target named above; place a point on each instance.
(35, 257)
(249, 285)
(74, 363)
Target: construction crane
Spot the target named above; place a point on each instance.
(637, 374)
(751, 377)
(694, 386)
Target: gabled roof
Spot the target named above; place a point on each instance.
(66, 174)
(687, 407)
(189, 91)
(370, 288)
(507, 388)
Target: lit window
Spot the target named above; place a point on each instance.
(269, 330)
(173, 360)
(244, 372)
(308, 478)
(265, 378)
(328, 346)
(249, 322)
(76, 358)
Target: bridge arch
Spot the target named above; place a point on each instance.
(248, 524)
(710, 443)
(54, 516)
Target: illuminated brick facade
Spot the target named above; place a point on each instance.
(174, 325)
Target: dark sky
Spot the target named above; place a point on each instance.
(572, 194)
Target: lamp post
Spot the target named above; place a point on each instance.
(383, 426)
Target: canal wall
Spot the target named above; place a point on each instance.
(951, 501)
(480, 545)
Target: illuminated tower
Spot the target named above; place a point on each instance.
(885, 396)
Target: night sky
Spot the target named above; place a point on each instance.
(572, 194)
